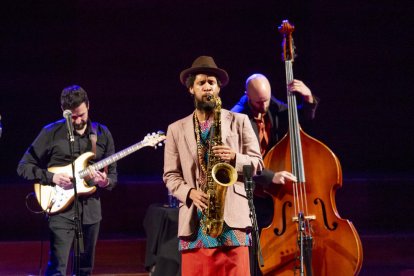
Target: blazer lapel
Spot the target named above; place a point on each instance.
(189, 136)
(226, 118)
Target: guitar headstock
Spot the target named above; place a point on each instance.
(286, 29)
(154, 139)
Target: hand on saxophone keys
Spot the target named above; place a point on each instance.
(224, 152)
(199, 198)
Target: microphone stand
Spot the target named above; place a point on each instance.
(78, 241)
(249, 187)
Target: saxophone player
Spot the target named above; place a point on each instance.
(210, 135)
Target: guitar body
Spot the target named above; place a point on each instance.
(54, 199)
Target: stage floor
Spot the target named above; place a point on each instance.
(113, 257)
(385, 255)
(379, 206)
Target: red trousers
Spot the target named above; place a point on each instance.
(220, 261)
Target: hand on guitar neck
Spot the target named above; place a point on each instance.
(98, 178)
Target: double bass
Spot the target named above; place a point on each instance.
(306, 236)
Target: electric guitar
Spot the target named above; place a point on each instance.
(54, 199)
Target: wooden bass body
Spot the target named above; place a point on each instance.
(337, 248)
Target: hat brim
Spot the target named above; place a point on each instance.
(217, 72)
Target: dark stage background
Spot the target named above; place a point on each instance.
(354, 55)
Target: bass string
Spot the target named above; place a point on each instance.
(299, 187)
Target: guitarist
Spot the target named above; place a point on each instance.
(51, 149)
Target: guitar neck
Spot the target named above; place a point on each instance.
(113, 158)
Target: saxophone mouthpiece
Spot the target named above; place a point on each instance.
(209, 97)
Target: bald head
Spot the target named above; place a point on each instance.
(258, 92)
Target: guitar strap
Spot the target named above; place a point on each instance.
(93, 136)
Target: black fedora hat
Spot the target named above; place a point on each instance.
(205, 64)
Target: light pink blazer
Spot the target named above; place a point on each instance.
(181, 168)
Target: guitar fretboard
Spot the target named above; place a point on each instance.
(119, 155)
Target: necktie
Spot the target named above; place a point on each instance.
(263, 135)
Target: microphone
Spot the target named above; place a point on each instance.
(248, 177)
(67, 114)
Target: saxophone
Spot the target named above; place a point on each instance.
(220, 176)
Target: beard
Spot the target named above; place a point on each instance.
(258, 110)
(206, 106)
(79, 126)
